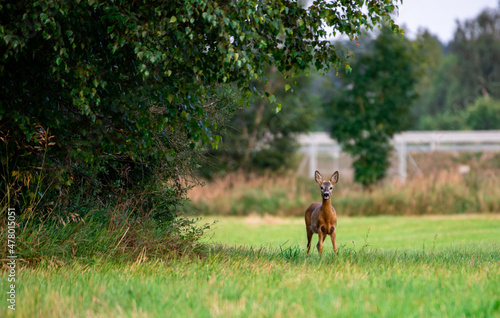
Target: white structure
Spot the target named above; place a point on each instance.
(422, 141)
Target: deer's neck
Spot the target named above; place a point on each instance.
(327, 206)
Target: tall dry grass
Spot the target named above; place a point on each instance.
(440, 193)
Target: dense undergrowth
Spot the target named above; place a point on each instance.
(114, 232)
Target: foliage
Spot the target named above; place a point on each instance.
(258, 138)
(109, 234)
(372, 104)
(477, 46)
(446, 120)
(112, 95)
(468, 70)
(429, 56)
(484, 114)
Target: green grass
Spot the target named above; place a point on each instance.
(383, 232)
(396, 267)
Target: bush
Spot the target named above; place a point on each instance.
(116, 233)
(484, 114)
(444, 121)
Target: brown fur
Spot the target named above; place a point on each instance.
(321, 217)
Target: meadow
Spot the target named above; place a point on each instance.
(429, 248)
(392, 266)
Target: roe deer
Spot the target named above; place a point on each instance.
(321, 217)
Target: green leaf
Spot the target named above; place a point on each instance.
(278, 108)
(173, 19)
(272, 98)
(287, 87)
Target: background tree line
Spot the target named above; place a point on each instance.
(461, 86)
(391, 84)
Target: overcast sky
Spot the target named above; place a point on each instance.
(439, 16)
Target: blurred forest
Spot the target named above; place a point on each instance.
(460, 88)
(391, 83)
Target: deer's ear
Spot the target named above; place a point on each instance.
(318, 177)
(335, 177)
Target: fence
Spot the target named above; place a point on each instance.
(312, 144)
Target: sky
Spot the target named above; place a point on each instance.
(438, 16)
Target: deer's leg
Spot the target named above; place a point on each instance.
(309, 237)
(320, 240)
(333, 236)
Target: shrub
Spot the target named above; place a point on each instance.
(484, 114)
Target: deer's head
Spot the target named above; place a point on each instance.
(326, 186)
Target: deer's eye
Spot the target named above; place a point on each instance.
(331, 188)
(322, 188)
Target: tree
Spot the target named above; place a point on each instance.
(429, 56)
(476, 44)
(372, 104)
(111, 93)
(469, 71)
(257, 137)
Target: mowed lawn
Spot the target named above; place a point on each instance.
(257, 267)
(383, 232)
